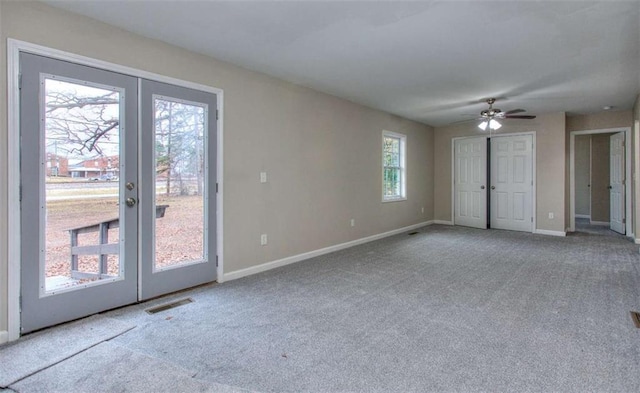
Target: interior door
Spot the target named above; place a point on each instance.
(512, 182)
(470, 177)
(617, 186)
(177, 188)
(78, 148)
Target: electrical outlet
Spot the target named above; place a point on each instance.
(353, 222)
(263, 177)
(263, 239)
(550, 215)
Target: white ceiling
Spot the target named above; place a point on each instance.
(430, 61)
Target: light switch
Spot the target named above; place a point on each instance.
(263, 177)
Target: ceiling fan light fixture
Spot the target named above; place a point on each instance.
(494, 124)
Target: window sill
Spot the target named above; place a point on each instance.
(394, 200)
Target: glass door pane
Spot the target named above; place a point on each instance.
(179, 182)
(80, 168)
(178, 202)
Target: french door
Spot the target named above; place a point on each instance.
(177, 174)
(111, 213)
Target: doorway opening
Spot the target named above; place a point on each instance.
(600, 200)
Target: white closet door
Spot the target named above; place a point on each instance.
(512, 182)
(470, 178)
(617, 186)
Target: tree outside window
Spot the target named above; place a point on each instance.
(393, 166)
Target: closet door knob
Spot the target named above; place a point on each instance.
(493, 187)
(482, 187)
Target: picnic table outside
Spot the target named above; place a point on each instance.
(103, 248)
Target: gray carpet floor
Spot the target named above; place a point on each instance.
(110, 368)
(447, 309)
(40, 350)
(583, 227)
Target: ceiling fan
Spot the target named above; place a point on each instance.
(489, 117)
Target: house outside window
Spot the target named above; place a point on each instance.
(393, 166)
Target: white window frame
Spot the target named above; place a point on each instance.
(403, 166)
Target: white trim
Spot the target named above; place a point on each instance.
(13, 191)
(4, 336)
(443, 222)
(583, 216)
(549, 233)
(311, 254)
(636, 241)
(14, 47)
(27, 47)
(139, 177)
(602, 223)
(453, 178)
(628, 180)
(220, 193)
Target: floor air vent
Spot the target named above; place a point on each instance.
(413, 233)
(169, 306)
(635, 317)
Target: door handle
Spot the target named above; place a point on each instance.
(131, 202)
(493, 187)
(609, 187)
(482, 187)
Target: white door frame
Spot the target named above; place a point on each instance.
(533, 164)
(572, 175)
(14, 47)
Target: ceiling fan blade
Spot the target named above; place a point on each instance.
(514, 111)
(520, 117)
(464, 121)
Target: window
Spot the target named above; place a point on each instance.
(393, 166)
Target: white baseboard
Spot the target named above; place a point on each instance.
(311, 254)
(549, 233)
(443, 222)
(4, 336)
(583, 216)
(603, 223)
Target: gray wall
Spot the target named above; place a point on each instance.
(583, 174)
(600, 194)
(322, 153)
